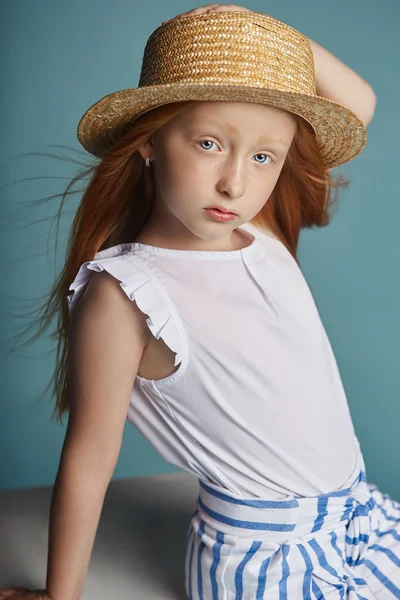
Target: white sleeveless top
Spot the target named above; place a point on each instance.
(257, 404)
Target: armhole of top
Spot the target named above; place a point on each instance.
(150, 297)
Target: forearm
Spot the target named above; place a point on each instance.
(77, 501)
(338, 82)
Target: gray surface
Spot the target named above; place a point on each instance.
(139, 547)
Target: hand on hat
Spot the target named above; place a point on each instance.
(211, 8)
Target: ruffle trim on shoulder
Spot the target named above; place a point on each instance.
(139, 287)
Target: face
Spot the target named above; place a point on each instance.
(214, 153)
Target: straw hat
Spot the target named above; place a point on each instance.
(232, 56)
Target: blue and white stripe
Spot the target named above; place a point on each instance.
(340, 545)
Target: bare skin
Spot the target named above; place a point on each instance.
(230, 181)
(234, 169)
(228, 153)
(228, 178)
(211, 8)
(213, 153)
(335, 80)
(206, 156)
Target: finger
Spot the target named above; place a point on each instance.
(194, 11)
(211, 8)
(199, 10)
(229, 7)
(204, 7)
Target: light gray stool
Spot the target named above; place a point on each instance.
(138, 553)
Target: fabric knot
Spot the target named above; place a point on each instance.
(359, 527)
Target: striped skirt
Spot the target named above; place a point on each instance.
(343, 544)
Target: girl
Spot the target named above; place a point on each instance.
(188, 314)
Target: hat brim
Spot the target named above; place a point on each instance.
(340, 134)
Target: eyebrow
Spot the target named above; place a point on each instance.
(272, 141)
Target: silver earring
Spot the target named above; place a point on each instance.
(147, 161)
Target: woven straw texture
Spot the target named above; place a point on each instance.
(227, 56)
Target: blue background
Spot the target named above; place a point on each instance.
(58, 58)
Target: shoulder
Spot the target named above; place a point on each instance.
(118, 286)
(103, 301)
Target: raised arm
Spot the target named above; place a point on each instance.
(337, 81)
(107, 338)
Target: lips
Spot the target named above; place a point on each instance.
(222, 209)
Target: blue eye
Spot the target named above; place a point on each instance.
(205, 141)
(261, 163)
(263, 155)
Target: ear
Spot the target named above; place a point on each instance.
(146, 149)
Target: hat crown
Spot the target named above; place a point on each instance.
(227, 56)
(231, 47)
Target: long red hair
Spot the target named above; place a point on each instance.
(118, 200)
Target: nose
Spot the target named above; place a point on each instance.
(232, 178)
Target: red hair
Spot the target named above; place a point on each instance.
(118, 200)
